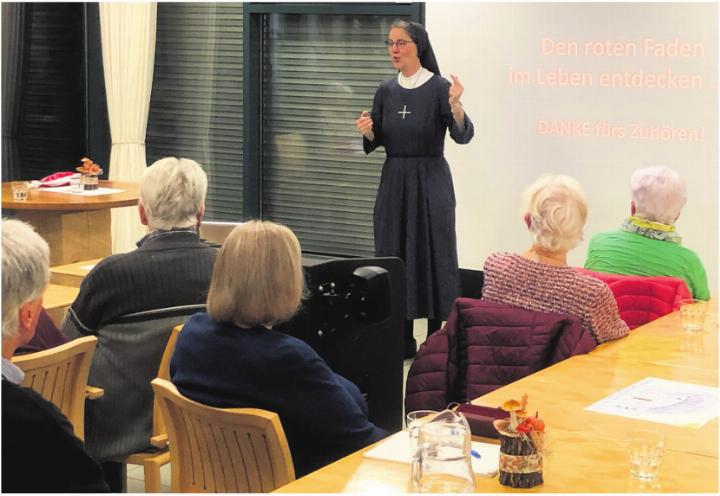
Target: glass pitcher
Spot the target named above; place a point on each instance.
(441, 463)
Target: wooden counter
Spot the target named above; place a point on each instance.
(57, 299)
(76, 227)
(71, 274)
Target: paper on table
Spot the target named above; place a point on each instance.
(90, 192)
(662, 401)
(396, 448)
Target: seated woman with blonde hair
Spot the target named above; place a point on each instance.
(232, 357)
(540, 279)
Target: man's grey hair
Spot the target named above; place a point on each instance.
(658, 193)
(172, 192)
(25, 271)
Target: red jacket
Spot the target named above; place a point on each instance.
(485, 345)
(642, 299)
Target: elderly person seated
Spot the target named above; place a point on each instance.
(171, 265)
(540, 278)
(170, 268)
(40, 452)
(232, 357)
(646, 243)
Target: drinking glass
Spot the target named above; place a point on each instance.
(20, 190)
(76, 185)
(692, 313)
(414, 420)
(645, 449)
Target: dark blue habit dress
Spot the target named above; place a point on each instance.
(414, 216)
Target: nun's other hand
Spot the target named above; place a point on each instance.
(364, 124)
(456, 91)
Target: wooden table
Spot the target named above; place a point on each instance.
(585, 450)
(71, 274)
(57, 299)
(76, 227)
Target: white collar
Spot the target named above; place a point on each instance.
(421, 77)
(12, 372)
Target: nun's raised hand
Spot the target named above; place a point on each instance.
(456, 91)
(364, 124)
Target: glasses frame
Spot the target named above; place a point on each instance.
(399, 43)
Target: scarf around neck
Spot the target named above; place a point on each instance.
(650, 229)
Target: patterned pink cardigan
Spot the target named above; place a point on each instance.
(517, 281)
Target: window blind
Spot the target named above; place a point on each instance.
(51, 134)
(196, 106)
(319, 73)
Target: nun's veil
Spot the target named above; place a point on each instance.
(419, 35)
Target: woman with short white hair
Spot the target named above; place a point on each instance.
(232, 357)
(647, 243)
(658, 194)
(540, 279)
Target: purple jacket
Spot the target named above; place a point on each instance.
(485, 345)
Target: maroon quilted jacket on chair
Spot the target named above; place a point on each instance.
(642, 299)
(485, 345)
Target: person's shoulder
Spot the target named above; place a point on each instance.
(440, 80)
(110, 263)
(290, 342)
(387, 85)
(198, 322)
(501, 259)
(592, 286)
(290, 352)
(606, 235)
(687, 253)
(32, 407)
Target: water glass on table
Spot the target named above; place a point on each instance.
(20, 190)
(692, 314)
(414, 421)
(76, 185)
(645, 449)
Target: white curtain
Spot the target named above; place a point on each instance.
(128, 48)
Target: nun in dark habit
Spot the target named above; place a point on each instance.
(414, 216)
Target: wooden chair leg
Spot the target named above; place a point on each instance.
(152, 477)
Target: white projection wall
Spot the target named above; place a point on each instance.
(590, 90)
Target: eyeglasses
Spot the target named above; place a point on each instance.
(398, 43)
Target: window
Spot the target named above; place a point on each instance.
(319, 73)
(196, 107)
(265, 97)
(42, 58)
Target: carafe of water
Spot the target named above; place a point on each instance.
(441, 463)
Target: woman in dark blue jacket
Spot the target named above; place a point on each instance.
(232, 357)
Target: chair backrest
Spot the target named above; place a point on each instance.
(60, 375)
(159, 427)
(216, 232)
(127, 358)
(642, 299)
(223, 449)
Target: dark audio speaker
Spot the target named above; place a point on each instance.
(353, 317)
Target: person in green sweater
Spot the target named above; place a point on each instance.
(646, 243)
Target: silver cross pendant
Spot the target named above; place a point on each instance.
(404, 111)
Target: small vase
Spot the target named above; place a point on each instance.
(520, 461)
(90, 182)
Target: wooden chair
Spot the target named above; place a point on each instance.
(223, 449)
(60, 376)
(151, 461)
